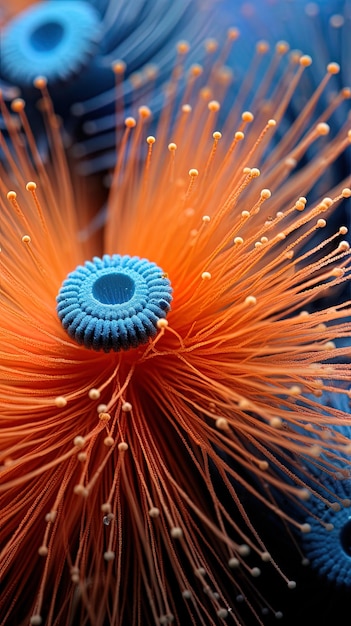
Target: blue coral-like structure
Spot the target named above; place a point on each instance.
(328, 545)
(46, 39)
(75, 43)
(114, 303)
(325, 543)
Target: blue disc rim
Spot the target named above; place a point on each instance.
(22, 61)
(103, 325)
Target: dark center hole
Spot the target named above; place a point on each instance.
(113, 288)
(47, 37)
(345, 537)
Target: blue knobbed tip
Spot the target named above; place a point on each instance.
(53, 39)
(114, 303)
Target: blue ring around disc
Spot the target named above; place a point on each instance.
(114, 303)
(52, 39)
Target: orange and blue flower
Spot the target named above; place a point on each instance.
(149, 468)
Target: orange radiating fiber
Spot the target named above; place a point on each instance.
(110, 463)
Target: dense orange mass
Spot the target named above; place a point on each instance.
(124, 470)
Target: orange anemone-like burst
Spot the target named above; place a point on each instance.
(122, 471)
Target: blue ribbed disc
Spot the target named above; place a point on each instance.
(53, 39)
(114, 303)
(329, 551)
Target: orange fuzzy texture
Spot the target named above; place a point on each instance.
(11, 9)
(134, 436)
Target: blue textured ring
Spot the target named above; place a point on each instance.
(53, 39)
(114, 303)
(329, 551)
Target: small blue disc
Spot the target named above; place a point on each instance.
(53, 39)
(114, 303)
